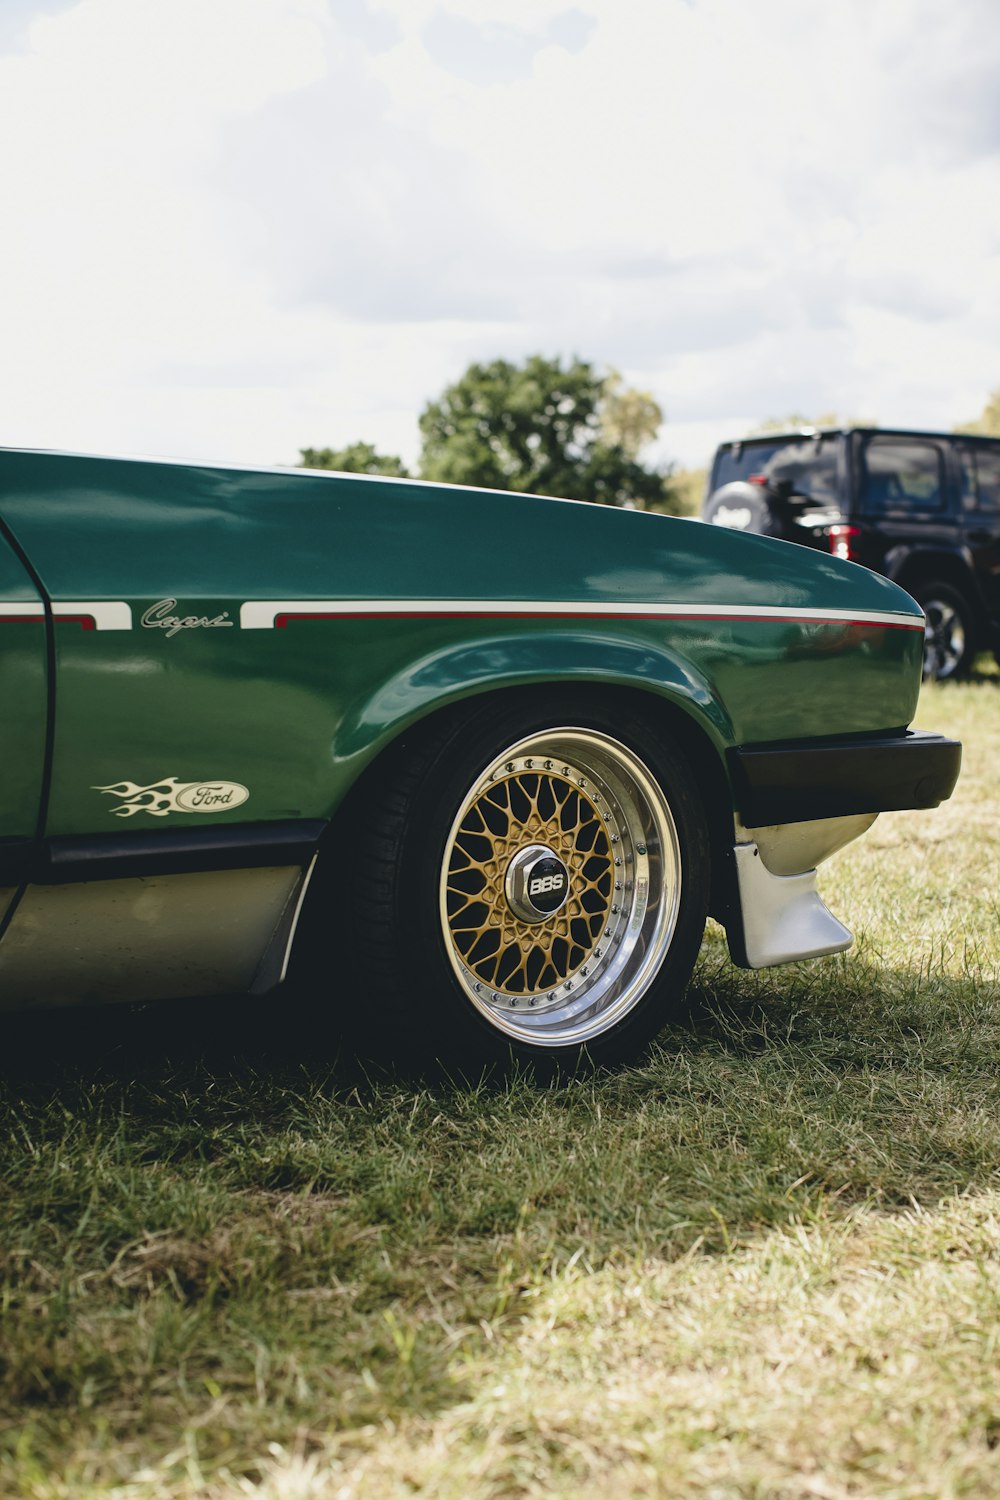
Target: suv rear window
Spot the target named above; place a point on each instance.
(740, 460)
(981, 479)
(807, 465)
(900, 476)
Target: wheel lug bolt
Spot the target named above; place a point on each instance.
(618, 885)
(509, 766)
(615, 910)
(640, 848)
(617, 859)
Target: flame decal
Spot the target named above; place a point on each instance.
(157, 799)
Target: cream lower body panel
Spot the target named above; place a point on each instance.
(150, 938)
(784, 918)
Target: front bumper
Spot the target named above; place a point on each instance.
(800, 781)
(797, 803)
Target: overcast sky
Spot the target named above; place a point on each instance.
(232, 228)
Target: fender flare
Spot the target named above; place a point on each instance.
(952, 564)
(495, 663)
(898, 558)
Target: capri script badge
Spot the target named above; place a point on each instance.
(160, 616)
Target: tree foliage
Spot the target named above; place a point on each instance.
(629, 418)
(356, 458)
(688, 486)
(795, 422)
(987, 424)
(541, 427)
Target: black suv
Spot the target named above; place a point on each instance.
(921, 507)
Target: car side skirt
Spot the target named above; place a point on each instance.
(157, 916)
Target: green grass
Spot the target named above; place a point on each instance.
(766, 1263)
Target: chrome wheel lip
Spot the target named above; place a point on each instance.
(944, 639)
(645, 902)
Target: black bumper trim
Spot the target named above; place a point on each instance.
(119, 856)
(800, 782)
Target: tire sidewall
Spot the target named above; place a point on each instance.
(928, 593)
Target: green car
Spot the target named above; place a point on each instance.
(477, 764)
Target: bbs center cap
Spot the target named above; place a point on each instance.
(536, 883)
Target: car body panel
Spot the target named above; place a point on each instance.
(293, 709)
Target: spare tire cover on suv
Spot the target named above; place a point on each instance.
(742, 507)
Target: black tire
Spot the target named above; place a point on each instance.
(450, 845)
(740, 506)
(950, 634)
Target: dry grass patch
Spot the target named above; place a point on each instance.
(845, 1359)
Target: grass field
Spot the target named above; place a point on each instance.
(765, 1264)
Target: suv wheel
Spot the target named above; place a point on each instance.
(949, 634)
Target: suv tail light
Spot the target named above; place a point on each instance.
(843, 542)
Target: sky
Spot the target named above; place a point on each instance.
(231, 229)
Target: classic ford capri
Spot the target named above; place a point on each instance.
(477, 765)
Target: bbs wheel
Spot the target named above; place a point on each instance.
(537, 885)
(949, 638)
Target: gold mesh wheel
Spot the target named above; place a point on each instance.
(560, 886)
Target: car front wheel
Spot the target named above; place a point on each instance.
(535, 885)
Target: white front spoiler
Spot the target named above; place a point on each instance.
(782, 914)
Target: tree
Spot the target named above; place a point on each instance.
(796, 421)
(987, 424)
(629, 418)
(356, 458)
(541, 427)
(689, 487)
(792, 423)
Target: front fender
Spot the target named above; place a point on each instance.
(451, 673)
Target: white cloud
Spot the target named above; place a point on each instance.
(235, 227)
